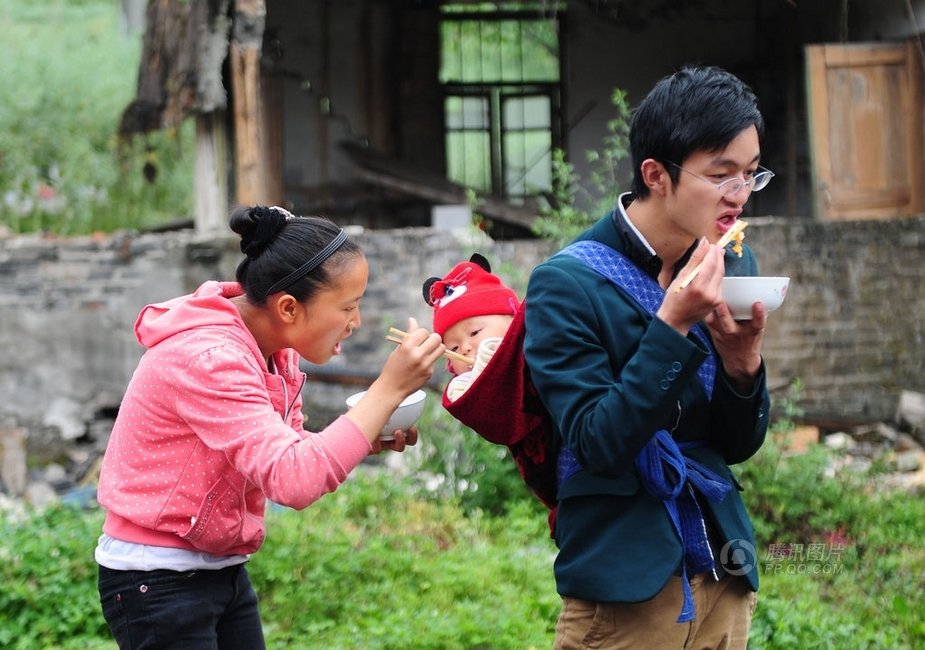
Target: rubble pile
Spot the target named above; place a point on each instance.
(896, 451)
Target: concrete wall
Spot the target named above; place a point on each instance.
(851, 328)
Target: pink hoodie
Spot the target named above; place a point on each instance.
(205, 434)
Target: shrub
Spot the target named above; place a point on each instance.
(835, 554)
(456, 463)
(49, 596)
(68, 73)
(575, 206)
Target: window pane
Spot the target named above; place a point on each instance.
(468, 160)
(492, 56)
(512, 51)
(515, 162)
(541, 50)
(539, 173)
(451, 52)
(526, 113)
(470, 43)
(505, 50)
(466, 113)
(529, 162)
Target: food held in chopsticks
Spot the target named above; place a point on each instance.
(397, 336)
(734, 233)
(738, 238)
(737, 234)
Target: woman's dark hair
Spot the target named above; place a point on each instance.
(695, 109)
(278, 244)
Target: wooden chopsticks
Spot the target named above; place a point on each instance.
(397, 336)
(727, 237)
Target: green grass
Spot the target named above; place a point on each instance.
(375, 566)
(382, 563)
(854, 576)
(48, 577)
(385, 563)
(863, 587)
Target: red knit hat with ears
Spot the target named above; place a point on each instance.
(469, 289)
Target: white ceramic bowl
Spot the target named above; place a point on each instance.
(403, 417)
(741, 292)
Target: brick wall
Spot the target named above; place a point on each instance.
(850, 329)
(852, 325)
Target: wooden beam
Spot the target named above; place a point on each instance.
(487, 206)
(391, 174)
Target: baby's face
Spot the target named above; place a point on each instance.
(464, 337)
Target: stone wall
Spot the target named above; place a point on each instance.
(850, 329)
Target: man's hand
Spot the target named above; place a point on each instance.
(738, 343)
(683, 308)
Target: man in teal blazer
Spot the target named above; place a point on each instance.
(653, 387)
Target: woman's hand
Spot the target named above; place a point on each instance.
(408, 367)
(402, 440)
(411, 363)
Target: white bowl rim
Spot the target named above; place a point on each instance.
(413, 398)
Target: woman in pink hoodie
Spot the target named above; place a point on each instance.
(210, 427)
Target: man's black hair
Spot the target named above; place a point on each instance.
(694, 109)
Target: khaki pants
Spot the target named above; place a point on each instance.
(723, 617)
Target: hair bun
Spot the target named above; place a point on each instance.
(267, 222)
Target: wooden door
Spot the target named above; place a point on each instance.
(865, 130)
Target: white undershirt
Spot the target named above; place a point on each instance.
(630, 223)
(120, 555)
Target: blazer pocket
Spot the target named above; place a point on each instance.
(585, 483)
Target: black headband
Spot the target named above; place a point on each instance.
(311, 264)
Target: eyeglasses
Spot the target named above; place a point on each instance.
(732, 185)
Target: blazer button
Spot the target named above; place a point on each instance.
(676, 366)
(665, 384)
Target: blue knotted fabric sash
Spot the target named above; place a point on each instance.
(663, 468)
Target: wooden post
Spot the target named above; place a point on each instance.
(210, 187)
(244, 53)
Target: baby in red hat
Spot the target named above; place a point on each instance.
(473, 310)
(479, 316)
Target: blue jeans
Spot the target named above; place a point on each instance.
(201, 610)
